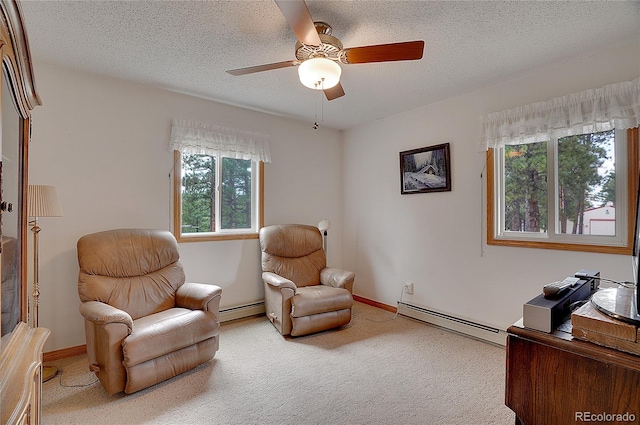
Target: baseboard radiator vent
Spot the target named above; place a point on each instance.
(456, 324)
(242, 311)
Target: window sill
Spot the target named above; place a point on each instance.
(603, 249)
(212, 238)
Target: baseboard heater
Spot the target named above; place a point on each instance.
(457, 324)
(242, 311)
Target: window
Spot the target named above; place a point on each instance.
(576, 192)
(218, 183)
(563, 174)
(218, 198)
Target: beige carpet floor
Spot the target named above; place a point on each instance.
(376, 370)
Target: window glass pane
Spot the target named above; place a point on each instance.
(588, 198)
(198, 196)
(586, 184)
(525, 188)
(236, 194)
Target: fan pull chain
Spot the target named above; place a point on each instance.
(315, 123)
(321, 94)
(320, 91)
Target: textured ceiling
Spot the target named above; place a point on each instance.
(186, 46)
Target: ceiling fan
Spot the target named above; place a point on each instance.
(318, 52)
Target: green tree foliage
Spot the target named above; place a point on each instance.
(608, 190)
(579, 158)
(198, 196)
(236, 194)
(525, 189)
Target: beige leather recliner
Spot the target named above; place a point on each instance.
(302, 295)
(143, 323)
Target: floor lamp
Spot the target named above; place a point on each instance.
(42, 201)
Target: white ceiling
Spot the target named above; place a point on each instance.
(186, 46)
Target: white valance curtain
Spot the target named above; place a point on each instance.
(205, 139)
(613, 106)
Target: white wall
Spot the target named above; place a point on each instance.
(103, 144)
(437, 240)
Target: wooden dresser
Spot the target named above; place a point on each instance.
(557, 379)
(20, 375)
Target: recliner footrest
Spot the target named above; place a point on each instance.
(320, 322)
(317, 299)
(167, 331)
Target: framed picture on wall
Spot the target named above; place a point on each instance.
(425, 170)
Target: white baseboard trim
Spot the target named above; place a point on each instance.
(456, 324)
(242, 311)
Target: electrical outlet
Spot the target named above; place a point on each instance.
(408, 287)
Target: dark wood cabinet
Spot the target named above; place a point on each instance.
(556, 379)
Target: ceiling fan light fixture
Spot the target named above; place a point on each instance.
(319, 73)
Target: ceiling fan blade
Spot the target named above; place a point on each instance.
(409, 50)
(297, 15)
(260, 68)
(334, 92)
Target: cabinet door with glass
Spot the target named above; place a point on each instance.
(17, 99)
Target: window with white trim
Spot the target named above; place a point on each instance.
(218, 182)
(563, 174)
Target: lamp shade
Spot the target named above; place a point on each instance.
(319, 73)
(324, 225)
(43, 201)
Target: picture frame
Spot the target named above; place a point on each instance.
(425, 170)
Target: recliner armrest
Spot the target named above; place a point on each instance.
(278, 281)
(101, 313)
(337, 278)
(199, 296)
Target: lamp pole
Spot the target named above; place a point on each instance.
(42, 201)
(36, 287)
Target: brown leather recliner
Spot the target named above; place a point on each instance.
(302, 295)
(143, 323)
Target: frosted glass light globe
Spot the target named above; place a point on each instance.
(319, 73)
